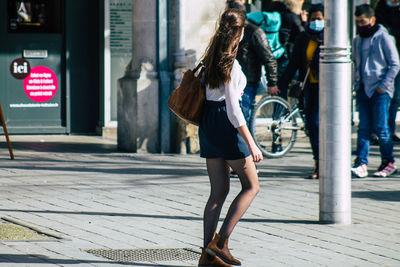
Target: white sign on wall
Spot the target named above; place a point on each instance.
(120, 52)
(121, 27)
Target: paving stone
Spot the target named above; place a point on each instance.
(122, 201)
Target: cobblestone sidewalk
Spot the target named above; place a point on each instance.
(80, 189)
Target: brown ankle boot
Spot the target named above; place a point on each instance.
(207, 260)
(219, 247)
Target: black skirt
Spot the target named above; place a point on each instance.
(218, 137)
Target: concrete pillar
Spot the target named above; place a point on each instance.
(164, 76)
(140, 84)
(179, 67)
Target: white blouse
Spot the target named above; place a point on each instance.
(232, 92)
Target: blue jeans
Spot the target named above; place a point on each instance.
(247, 104)
(311, 112)
(394, 105)
(374, 115)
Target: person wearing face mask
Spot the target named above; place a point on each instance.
(376, 64)
(305, 59)
(253, 53)
(387, 13)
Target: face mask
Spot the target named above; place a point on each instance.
(366, 30)
(317, 25)
(392, 5)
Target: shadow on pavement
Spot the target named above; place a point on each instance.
(139, 170)
(284, 172)
(157, 216)
(188, 169)
(378, 195)
(40, 259)
(69, 147)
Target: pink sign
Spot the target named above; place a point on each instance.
(41, 84)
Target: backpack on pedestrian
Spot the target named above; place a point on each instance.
(270, 23)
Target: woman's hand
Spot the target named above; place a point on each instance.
(255, 153)
(253, 148)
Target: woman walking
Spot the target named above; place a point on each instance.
(225, 140)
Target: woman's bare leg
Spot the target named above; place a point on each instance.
(218, 172)
(247, 172)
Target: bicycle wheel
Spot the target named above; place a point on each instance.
(273, 126)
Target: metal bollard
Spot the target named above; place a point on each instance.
(335, 117)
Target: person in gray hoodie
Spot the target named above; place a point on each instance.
(376, 64)
(387, 13)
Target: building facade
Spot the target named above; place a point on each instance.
(73, 66)
(50, 53)
(64, 61)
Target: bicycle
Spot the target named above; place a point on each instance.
(274, 125)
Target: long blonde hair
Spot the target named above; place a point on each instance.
(222, 49)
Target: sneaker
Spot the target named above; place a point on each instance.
(386, 169)
(359, 170)
(314, 174)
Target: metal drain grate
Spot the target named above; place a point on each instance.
(135, 255)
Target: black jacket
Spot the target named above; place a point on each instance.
(298, 61)
(291, 25)
(254, 52)
(389, 17)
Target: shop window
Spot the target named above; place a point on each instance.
(34, 16)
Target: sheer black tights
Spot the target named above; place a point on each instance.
(219, 174)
